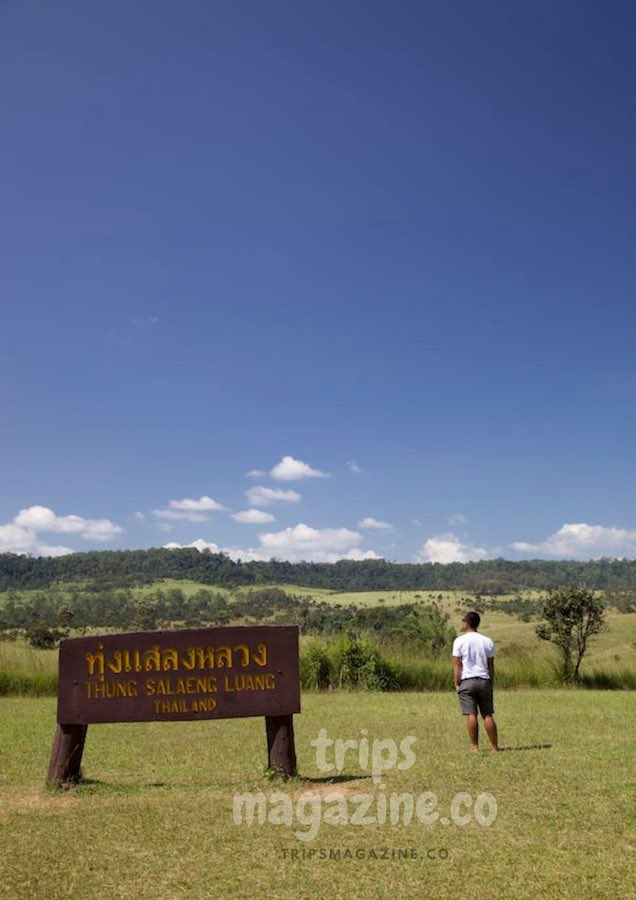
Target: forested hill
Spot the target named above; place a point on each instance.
(130, 567)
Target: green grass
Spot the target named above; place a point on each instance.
(25, 670)
(154, 819)
(523, 660)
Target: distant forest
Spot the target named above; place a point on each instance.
(130, 568)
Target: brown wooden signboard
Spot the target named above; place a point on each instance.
(202, 673)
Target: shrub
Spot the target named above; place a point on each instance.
(41, 636)
(315, 667)
(359, 664)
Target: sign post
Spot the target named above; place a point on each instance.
(201, 673)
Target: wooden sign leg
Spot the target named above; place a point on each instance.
(281, 751)
(66, 755)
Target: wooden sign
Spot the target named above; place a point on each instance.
(202, 673)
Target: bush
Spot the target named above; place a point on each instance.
(359, 664)
(315, 667)
(43, 637)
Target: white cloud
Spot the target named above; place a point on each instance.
(189, 510)
(265, 496)
(253, 516)
(177, 515)
(370, 523)
(290, 469)
(353, 466)
(41, 518)
(55, 550)
(447, 548)
(203, 504)
(300, 543)
(234, 553)
(14, 539)
(140, 517)
(457, 519)
(199, 544)
(579, 540)
(358, 555)
(255, 473)
(18, 539)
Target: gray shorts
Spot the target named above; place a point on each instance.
(476, 693)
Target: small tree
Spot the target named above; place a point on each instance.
(41, 636)
(573, 615)
(64, 615)
(145, 615)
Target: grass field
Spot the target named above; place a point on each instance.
(154, 818)
(523, 660)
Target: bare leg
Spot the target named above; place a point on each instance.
(491, 730)
(473, 731)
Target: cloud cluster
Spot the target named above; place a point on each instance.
(199, 544)
(578, 540)
(265, 496)
(374, 524)
(301, 543)
(290, 469)
(448, 548)
(189, 510)
(253, 516)
(41, 518)
(23, 534)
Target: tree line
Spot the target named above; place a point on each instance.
(130, 568)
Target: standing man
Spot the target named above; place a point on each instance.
(474, 671)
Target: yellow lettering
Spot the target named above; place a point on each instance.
(203, 704)
(163, 686)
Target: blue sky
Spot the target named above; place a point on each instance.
(390, 243)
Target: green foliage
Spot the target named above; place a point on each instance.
(359, 664)
(315, 666)
(145, 617)
(41, 636)
(124, 569)
(624, 601)
(573, 615)
(345, 662)
(27, 671)
(64, 615)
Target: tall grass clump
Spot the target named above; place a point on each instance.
(25, 670)
(345, 662)
(610, 679)
(365, 664)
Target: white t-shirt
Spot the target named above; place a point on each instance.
(475, 650)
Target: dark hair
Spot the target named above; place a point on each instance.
(472, 619)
